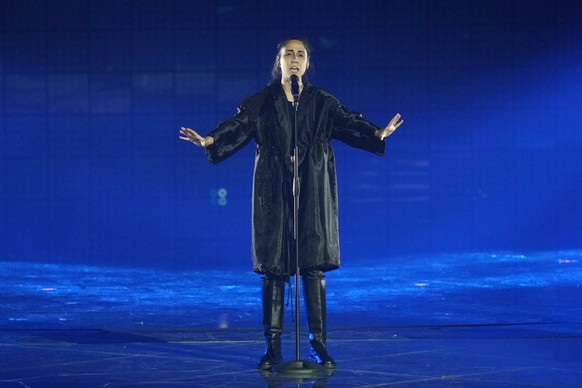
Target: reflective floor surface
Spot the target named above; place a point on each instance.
(489, 319)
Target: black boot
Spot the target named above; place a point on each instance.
(273, 301)
(314, 296)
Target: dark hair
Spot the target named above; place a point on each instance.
(276, 69)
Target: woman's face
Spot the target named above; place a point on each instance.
(293, 60)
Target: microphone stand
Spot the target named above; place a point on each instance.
(297, 368)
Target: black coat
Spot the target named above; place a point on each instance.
(267, 118)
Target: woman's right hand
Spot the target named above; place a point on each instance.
(192, 136)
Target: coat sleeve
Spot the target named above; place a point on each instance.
(231, 135)
(352, 129)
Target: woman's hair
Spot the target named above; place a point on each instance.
(276, 69)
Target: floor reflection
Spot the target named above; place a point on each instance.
(488, 319)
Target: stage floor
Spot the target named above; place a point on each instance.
(489, 319)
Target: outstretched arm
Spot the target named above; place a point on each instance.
(390, 128)
(192, 136)
(229, 136)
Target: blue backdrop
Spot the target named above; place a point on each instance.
(93, 93)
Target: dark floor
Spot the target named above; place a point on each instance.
(471, 320)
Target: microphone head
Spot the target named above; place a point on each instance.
(294, 86)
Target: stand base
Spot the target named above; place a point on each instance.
(300, 368)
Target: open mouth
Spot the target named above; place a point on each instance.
(294, 68)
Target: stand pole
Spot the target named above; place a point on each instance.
(298, 367)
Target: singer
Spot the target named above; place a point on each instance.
(267, 117)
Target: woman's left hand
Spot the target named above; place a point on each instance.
(390, 128)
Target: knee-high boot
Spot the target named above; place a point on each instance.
(315, 303)
(273, 296)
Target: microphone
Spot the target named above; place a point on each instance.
(295, 88)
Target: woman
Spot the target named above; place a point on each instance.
(267, 117)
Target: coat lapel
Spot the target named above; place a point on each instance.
(302, 110)
(284, 118)
(283, 123)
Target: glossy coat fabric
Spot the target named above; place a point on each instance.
(267, 118)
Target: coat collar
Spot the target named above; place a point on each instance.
(284, 120)
(281, 103)
(279, 94)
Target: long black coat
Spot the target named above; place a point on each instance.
(267, 117)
